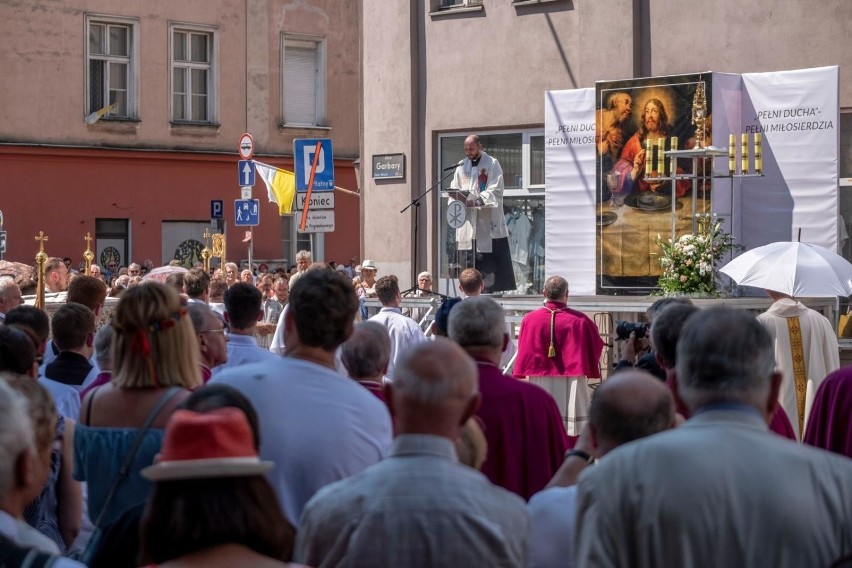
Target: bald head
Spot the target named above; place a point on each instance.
(628, 406)
(435, 389)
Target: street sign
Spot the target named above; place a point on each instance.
(303, 153)
(456, 214)
(217, 209)
(245, 193)
(246, 146)
(318, 201)
(319, 222)
(245, 173)
(246, 212)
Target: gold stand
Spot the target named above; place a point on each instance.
(41, 258)
(206, 253)
(88, 254)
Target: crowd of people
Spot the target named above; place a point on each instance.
(259, 420)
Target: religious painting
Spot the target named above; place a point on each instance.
(638, 122)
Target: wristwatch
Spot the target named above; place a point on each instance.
(589, 458)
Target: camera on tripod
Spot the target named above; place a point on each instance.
(623, 329)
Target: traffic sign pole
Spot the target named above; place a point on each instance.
(310, 186)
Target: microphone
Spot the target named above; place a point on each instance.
(454, 166)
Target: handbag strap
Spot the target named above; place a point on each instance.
(124, 471)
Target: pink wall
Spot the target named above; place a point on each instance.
(63, 191)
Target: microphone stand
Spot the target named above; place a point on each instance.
(429, 292)
(416, 203)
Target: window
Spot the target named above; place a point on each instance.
(446, 4)
(192, 75)
(111, 70)
(303, 78)
(521, 156)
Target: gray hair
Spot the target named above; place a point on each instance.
(555, 288)
(103, 347)
(5, 283)
(477, 322)
(367, 351)
(724, 354)
(16, 434)
(432, 372)
(303, 254)
(198, 314)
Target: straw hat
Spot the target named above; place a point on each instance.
(368, 265)
(203, 445)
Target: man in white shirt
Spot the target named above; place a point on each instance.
(403, 331)
(628, 406)
(242, 312)
(317, 425)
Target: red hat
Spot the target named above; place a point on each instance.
(197, 445)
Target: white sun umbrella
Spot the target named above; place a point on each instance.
(796, 269)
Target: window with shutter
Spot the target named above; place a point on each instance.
(303, 80)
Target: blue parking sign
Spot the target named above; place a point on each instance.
(304, 150)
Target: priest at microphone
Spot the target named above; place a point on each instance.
(483, 239)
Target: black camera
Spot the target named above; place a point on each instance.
(623, 329)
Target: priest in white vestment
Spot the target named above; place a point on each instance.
(806, 351)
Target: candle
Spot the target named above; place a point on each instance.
(672, 161)
(758, 154)
(661, 152)
(648, 157)
(732, 154)
(744, 156)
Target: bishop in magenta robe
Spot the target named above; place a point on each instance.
(558, 349)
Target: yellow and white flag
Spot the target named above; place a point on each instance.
(280, 186)
(100, 113)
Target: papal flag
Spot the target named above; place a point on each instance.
(280, 186)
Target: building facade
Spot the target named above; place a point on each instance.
(437, 70)
(177, 84)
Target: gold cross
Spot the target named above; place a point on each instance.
(88, 239)
(41, 238)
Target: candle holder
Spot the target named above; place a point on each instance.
(88, 255)
(206, 253)
(41, 258)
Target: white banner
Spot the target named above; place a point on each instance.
(797, 114)
(570, 177)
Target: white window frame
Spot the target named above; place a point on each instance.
(132, 61)
(212, 68)
(526, 188)
(454, 4)
(319, 44)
